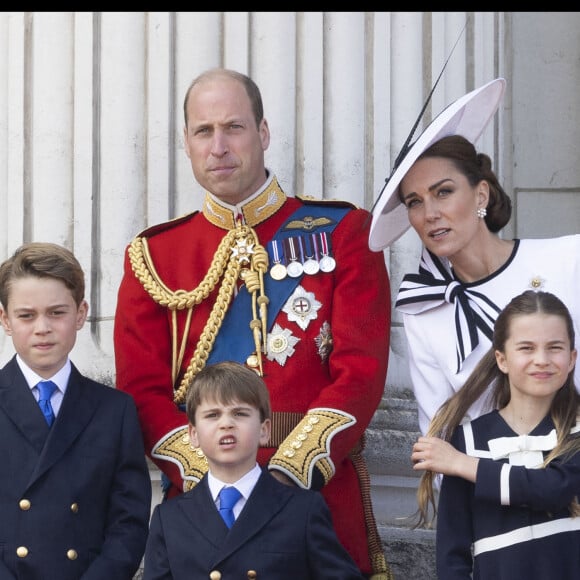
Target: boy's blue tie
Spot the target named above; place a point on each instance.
(228, 497)
(46, 388)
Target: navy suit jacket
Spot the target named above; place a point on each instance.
(282, 533)
(75, 498)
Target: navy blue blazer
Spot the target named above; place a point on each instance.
(282, 533)
(75, 499)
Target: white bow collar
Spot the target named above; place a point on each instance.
(526, 450)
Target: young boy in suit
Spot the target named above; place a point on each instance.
(280, 531)
(75, 490)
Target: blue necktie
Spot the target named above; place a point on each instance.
(228, 497)
(46, 389)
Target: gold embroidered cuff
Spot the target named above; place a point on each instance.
(191, 461)
(308, 445)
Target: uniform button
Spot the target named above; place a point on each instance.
(215, 575)
(22, 551)
(252, 574)
(24, 504)
(72, 554)
(74, 508)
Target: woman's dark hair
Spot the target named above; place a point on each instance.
(476, 167)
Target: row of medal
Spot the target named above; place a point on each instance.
(308, 254)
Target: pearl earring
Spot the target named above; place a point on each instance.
(481, 212)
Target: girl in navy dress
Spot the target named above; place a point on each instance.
(508, 505)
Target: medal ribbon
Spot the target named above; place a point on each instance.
(313, 239)
(276, 251)
(325, 244)
(290, 244)
(300, 247)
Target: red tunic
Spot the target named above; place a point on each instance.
(341, 389)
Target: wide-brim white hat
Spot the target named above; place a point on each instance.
(468, 116)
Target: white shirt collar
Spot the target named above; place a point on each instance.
(60, 378)
(245, 484)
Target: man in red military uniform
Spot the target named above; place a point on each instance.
(285, 285)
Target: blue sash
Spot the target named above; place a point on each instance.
(235, 340)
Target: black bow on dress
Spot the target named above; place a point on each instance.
(436, 284)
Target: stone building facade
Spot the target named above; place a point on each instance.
(91, 150)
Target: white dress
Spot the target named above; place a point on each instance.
(551, 265)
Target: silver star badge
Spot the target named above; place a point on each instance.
(280, 344)
(324, 341)
(302, 307)
(243, 250)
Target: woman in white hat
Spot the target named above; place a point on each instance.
(447, 191)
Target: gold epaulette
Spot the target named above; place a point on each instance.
(311, 200)
(175, 447)
(308, 445)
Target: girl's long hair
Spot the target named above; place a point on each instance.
(564, 409)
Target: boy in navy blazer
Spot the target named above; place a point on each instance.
(75, 491)
(280, 532)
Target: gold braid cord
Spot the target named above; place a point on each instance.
(380, 566)
(239, 255)
(309, 444)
